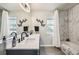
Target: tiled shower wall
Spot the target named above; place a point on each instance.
(63, 25)
(73, 14)
(69, 24)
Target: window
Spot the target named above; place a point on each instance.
(12, 25)
(51, 24)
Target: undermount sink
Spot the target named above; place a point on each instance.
(29, 38)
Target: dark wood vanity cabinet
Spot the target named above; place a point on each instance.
(22, 52)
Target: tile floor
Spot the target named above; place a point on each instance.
(50, 51)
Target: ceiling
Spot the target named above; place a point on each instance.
(36, 6)
(10, 6)
(44, 6)
(50, 6)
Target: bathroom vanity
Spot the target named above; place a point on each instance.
(2, 50)
(29, 46)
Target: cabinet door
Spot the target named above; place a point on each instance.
(2, 50)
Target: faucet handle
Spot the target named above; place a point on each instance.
(19, 41)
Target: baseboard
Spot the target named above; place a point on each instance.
(46, 45)
(49, 46)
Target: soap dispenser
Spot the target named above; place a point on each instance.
(14, 42)
(4, 44)
(4, 41)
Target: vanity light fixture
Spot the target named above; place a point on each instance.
(25, 7)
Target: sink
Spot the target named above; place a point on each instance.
(31, 42)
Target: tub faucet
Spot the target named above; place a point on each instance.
(23, 33)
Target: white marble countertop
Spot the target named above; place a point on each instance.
(31, 42)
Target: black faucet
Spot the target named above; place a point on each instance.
(14, 33)
(31, 32)
(22, 38)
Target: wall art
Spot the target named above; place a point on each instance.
(21, 22)
(41, 22)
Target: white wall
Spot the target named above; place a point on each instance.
(42, 15)
(46, 39)
(20, 16)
